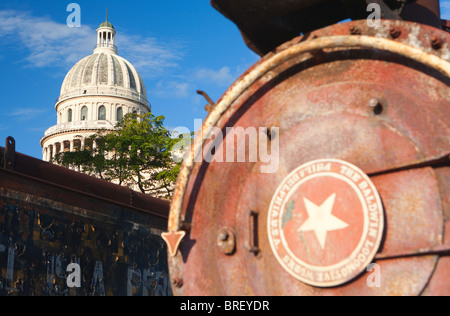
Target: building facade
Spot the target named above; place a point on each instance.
(96, 94)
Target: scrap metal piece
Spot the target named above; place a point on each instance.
(9, 155)
(267, 24)
(211, 104)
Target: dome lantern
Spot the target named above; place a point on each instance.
(106, 37)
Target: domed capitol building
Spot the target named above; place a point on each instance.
(96, 94)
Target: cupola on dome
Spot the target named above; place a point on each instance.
(107, 24)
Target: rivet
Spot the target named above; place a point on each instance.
(436, 42)
(395, 32)
(355, 30)
(178, 282)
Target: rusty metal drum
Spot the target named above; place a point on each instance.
(324, 170)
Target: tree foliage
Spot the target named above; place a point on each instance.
(136, 154)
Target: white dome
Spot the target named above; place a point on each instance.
(104, 72)
(95, 95)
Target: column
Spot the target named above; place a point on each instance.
(75, 113)
(71, 145)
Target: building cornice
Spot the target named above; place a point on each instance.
(141, 100)
(73, 127)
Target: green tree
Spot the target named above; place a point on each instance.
(136, 154)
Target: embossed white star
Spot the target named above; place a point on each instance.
(320, 220)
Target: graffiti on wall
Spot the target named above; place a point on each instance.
(38, 244)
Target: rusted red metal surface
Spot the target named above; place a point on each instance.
(52, 216)
(382, 112)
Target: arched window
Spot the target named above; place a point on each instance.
(101, 113)
(84, 113)
(119, 115)
(69, 115)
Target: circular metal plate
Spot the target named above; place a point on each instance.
(325, 222)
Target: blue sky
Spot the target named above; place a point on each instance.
(178, 47)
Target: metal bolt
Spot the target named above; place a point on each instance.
(226, 241)
(223, 235)
(355, 30)
(178, 282)
(395, 32)
(436, 42)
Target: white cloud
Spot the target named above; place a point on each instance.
(185, 84)
(49, 43)
(174, 89)
(150, 56)
(24, 114)
(221, 77)
(52, 44)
